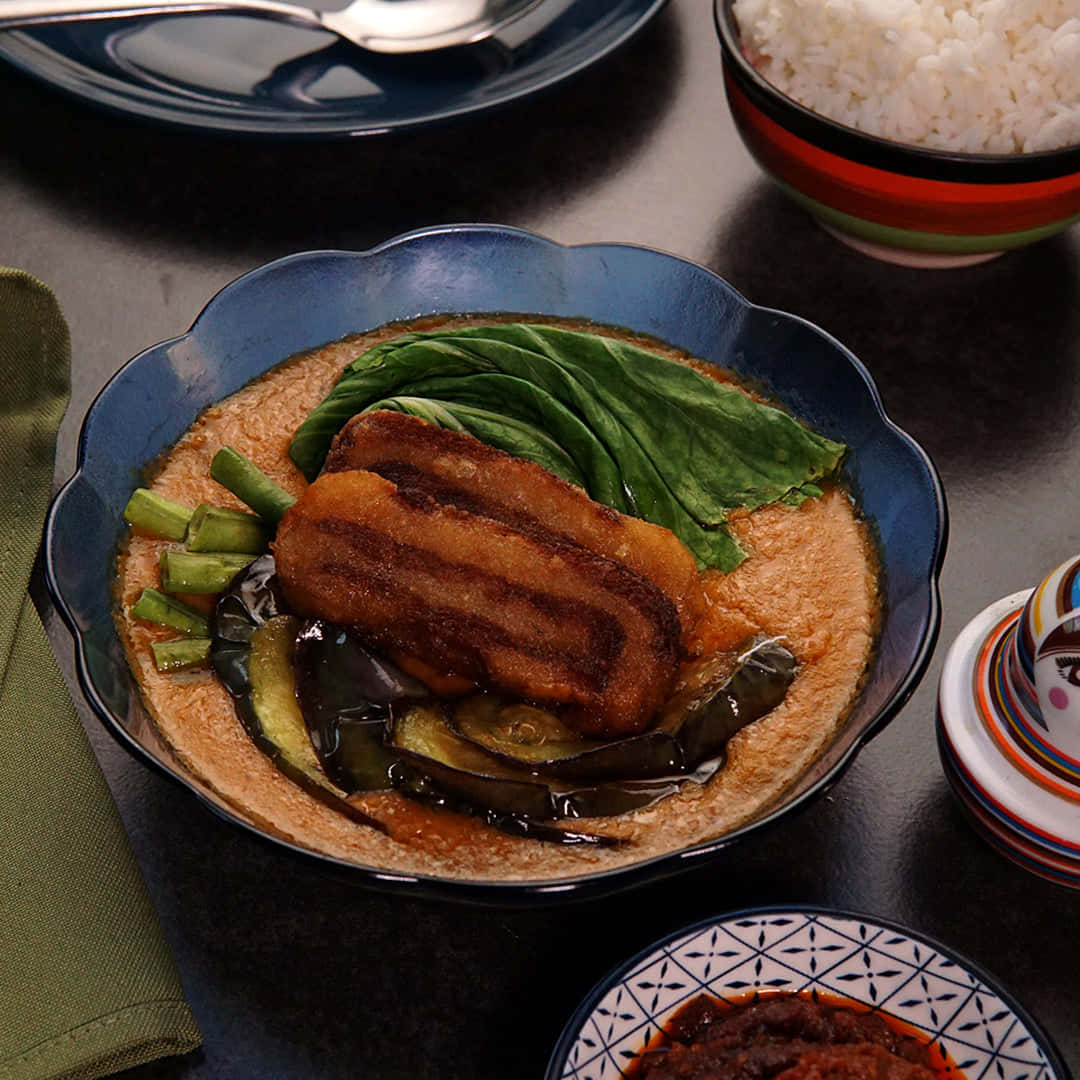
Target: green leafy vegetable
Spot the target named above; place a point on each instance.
(641, 433)
(507, 433)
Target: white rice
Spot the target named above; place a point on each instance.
(975, 76)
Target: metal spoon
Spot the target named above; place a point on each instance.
(384, 26)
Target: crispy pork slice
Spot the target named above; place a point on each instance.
(458, 470)
(531, 613)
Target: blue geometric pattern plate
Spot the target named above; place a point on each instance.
(980, 1028)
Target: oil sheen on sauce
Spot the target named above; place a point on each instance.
(936, 1059)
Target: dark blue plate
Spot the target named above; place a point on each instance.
(235, 74)
(308, 299)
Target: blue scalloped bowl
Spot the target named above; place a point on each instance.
(305, 300)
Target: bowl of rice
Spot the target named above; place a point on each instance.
(925, 132)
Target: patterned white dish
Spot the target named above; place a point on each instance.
(1015, 779)
(983, 1032)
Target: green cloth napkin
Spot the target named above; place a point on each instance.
(87, 983)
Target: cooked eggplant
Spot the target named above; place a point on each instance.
(417, 786)
(438, 766)
(538, 740)
(519, 760)
(345, 692)
(273, 699)
(338, 718)
(457, 767)
(248, 602)
(614, 797)
(719, 700)
(762, 677)
(252, 652)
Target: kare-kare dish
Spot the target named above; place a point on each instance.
(497, 599)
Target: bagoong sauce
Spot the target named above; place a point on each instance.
(937, 1059)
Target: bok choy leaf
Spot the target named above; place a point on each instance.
(641, 433)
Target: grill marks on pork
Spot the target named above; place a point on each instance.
(375, 561)
(454, 469)
(530, 612)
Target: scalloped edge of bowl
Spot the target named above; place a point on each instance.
(604, 258)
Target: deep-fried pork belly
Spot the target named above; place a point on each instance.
(458, 470)
(533, 614)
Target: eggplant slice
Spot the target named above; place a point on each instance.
(338, 719)
(721, 696)
(535, 739)
(345, 693)
(251, 651)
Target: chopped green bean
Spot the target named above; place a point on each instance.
(180, 655)
(250, 484)
(213, 528)
(156, 607)
(153, 513)
(199, 572)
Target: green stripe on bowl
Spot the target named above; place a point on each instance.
(921, 241)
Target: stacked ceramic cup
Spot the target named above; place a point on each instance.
(1009, 724)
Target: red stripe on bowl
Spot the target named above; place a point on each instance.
(903, 202)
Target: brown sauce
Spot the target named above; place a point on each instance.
(777, 1036)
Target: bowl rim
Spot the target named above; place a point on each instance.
(875, 150)
(527, 892)
(556, 1062)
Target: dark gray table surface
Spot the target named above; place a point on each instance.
(294, 975)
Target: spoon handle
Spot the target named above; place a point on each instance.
(23, 13)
